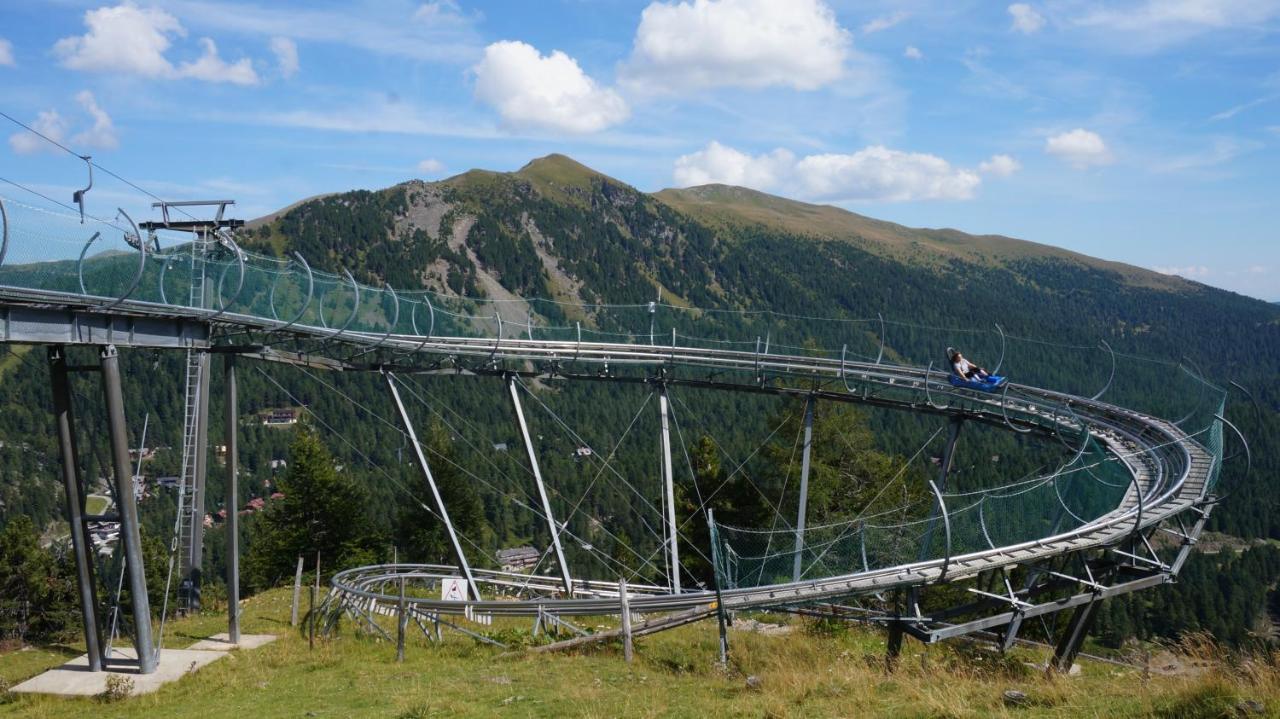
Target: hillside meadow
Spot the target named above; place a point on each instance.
(780, 667)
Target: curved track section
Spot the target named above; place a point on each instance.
(1170, 471)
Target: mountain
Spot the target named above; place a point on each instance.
(556, 229)
(732, 206)
(722, 210)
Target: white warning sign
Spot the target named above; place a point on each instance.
(453, 589)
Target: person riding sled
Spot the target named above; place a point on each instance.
(964, 369)
(967, 374)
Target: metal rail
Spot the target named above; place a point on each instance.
(1169, 469)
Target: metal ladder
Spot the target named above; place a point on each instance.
(188, 512)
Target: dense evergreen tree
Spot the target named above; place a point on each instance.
(323, 511)
(37, 587)
(420, 535)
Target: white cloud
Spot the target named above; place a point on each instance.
(1189, 271)
(212, 68)
(440, 13)
(6, 53)
(286, 52)
(1025, 18)
(884, 23)
(1079, 148)
(124, 38)
(1221, 150)
(134, 40)
(48, 123)
(717, 163)
(431, 166)
(550, 92)
(435, 32)
(874, 173)
(913, 53)
(1153, 24)
(1201, 13)
(1231, 112)
(878, 173)
(102, 134)
(999, 166)
(686, 46)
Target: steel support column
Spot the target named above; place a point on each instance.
(514, 393)
(669, 496)
(126, 502)
(804, 485)
(195, 559)
(948, 458)
(893, 643)
(73, 487)
(1064, 655)
(425, 468)
(949, 454)
(231, 428)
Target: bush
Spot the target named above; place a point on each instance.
(119, 687)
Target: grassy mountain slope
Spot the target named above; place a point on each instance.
(738, 206)
(799, 668)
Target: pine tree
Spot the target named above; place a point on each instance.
(37, 593)
(419, 532)
(322, 510)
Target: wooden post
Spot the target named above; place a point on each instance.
(297, 593)
(625, 602)
(311, 618)
(401, 624)
(315, 592)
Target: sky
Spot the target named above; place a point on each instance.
(1146, 131)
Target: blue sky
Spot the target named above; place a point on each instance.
(1145, 132)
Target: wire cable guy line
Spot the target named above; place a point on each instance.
(1120, 473)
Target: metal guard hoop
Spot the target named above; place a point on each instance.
(142, 260)
(4, 232)
(311, 286)
(946, 528)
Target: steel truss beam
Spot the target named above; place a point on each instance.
(425, 468)
(802, 512)
(514, 392)
(669, 496)
(37, 325)
(1022, 604)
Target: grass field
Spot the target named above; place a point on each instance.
(809, 671)
(96, 504)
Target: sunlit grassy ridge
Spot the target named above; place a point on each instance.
(809, 671)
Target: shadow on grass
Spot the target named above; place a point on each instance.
(60, 649)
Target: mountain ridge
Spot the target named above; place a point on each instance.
(728, 207)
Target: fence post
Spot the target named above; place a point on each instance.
(722, 618)
(400, 625)
(625, 604)
(315, 591)
(297, 593)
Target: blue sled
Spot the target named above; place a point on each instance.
(991, 384)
